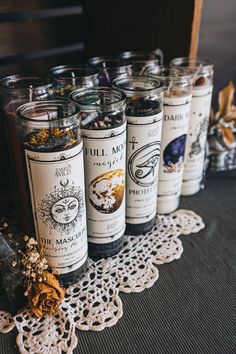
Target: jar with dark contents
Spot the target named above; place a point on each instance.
(67, 78)
(104, 137)
(141, 60)
(53, 152)
(203, 72)
(16, 90)
(144, 114)
(109, 68)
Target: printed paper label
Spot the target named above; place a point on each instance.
(197, 134)
(143, 153)
(174, 134)
(105, 159)
(56, 184)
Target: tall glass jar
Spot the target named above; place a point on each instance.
(104, 136)
(177, 105)
(53, 152)
(16, 90)
(198, 123)
(141, 61)
(144, 114)
(109, 68)
(67, 78)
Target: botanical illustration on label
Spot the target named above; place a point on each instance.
(58, 202)
(105, 159)
(174, 134)
(197, 134)
(143, 154)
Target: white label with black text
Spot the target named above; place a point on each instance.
(56, 182)
(197, 134)
(174, 134)
(143, 153)
(105, 159)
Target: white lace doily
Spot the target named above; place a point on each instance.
(94, 303)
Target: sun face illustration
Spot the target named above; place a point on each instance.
(62, 208)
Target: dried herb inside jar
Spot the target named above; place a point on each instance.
(142, 106)
(54, 139)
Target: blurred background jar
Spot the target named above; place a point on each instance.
(16, 90)
(104, 137)
(109, 68)
(198, 123)
(144, 114)
(67, 78)
(177, 104)
(141, 60)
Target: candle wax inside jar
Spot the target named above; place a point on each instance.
(17, 166)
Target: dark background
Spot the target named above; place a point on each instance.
(218, 40)
(106, 27)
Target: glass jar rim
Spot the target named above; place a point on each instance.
(171, 73)
(118, 102)
(111, 62)
(28, 82)
(79, 71)
(157, 85)
(140, 56)
(190, 62)
(46, 106)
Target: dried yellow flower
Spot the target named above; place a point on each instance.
(46, 295)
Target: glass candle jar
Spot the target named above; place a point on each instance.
(16, 90)
(144, 114)
(53, 151)
(177, 105)
(198, 123)
(141, 61)
(104, 136)
(67, 78)
(109, 68)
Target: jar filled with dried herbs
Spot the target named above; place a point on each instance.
(104, 136)
(52, 147)
(144, 114)
(203, 72)
(66, 78)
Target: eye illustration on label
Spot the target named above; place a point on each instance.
(143, 164)
(197, 145)
(61, 209)
(173, 155)
(106, 192)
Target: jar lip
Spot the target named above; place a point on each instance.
(28, 82)
(76, 95)
(196, 63)
(171, 73)
(79, 71)
(32, 107)
(139, 55)
(110, 62)
(157, 84)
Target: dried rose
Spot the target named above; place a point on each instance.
(45, 296)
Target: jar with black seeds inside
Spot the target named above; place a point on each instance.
(104, 137)
(144, 125)
(53, 152)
